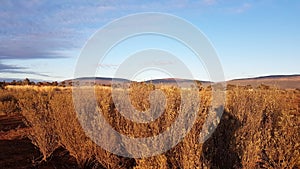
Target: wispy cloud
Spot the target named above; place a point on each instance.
(4, 68)
(41, 29)
(25, 72)
(46, 29)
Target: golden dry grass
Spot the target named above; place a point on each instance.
(259, 127)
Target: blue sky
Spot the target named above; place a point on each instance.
(43, 39)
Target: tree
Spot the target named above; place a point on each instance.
(13, 82)
(2, 85)
(55, 83)
(63, 84)
(26, 81)
(199, 84)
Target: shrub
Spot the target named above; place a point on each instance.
(36, 109)
(259, 128)
(8, 103)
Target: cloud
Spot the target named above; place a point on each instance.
(25, 72)
(47, 29)
(18, 70)
(35, 45)
(4, 67)
(42, 30)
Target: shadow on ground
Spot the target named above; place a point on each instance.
(220, 150)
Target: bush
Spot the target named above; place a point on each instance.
(259, 128)
(8, 103)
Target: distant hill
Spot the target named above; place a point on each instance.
(174, 81)
(97, 80)
(108, 81)
(281, 81)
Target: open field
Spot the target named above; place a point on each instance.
(259, 129)
(280, 81)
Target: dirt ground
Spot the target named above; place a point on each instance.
(17, 151)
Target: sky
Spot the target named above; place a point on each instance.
(42, 39)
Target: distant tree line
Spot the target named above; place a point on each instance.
(27, 82)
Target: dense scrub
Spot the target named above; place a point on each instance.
(259, 127)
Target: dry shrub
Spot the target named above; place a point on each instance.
(73, 137)
(268, 135)
(259, 127)
(139, 95)
(159, 161)
(8, 103)
(68, 129)
(36, 109)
